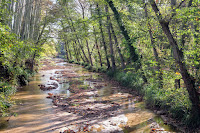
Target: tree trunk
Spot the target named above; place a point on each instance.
(102, 35)
(154, 48)
(81, 47)
(132, 50)
(89, 53)
(87, 44)
(96, 42)
(69, 50)
(70, 22)
(97, 46)
(75, 52)
(118, 47)
(178, 56)
(110, 39)
(66, 49)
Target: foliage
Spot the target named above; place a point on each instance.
(175, 101)
(5, 101)
(49, 49)
(22, 35)
(128, 79)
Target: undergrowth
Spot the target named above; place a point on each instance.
(6, 90)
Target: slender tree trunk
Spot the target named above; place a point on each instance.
(69, 50)
(75, 52)
(37, 43)
(81, 47)
(89, 53)
(132, 50)
(110, 39)
(102, 36)
(178, 56)
(96, 42)
(118, 47)
(154, 48)
(87, 44)
(66, 49)
(97, 46)
(70, 22)
(81, 56)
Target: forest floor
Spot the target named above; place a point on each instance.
(95, 103)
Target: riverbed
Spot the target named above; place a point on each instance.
(65, 97)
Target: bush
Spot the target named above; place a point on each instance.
(76, 62)
(5, 91)
(85, 64)
(175, 101)
(128, 79)
(103, 69)
(81, 63)
(71, 61)
(89, 67)
(111, 73)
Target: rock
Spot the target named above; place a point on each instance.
(165, 119)
(161, 112)
(51, 78)
(50, 94)
(42, 87)
(48, 97)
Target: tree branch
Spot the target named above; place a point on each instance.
(173, 14)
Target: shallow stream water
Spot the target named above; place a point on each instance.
(35, 113)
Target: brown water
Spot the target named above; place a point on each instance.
(36, 113)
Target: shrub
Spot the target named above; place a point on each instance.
(76, 62)
(111, 73)
(71, 61)
(102, 69)
(85, 64)
(81, 63)
(89, 67)
(128, 79)
(175, 101)
(5, 102)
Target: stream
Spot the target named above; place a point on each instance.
(64, 97)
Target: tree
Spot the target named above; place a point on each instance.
(129, 41)
(102, 35)
(110, 39)
(178, 56)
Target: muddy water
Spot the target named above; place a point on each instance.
(36, 113)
